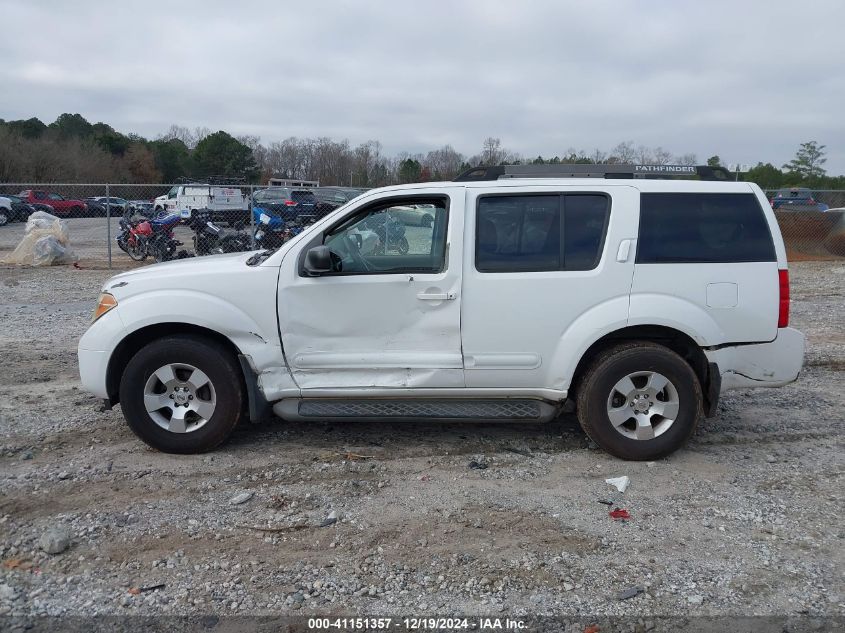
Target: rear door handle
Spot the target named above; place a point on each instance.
(436, 296)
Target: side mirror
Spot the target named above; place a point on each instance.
(318, 260)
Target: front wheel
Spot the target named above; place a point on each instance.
(4, 218)
(182, 394)
(639, 401)
(136, 251)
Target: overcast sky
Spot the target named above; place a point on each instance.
(746, 80)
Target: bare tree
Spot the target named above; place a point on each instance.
(444, 163)
(598, 156)
(661, 156)
(200, 132)
(624, 153)
(491, 151)
(179, 133)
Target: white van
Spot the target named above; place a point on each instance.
(198, 196)
(536, 289)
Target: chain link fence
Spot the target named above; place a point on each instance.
(812, 222)
(125, 225)
(122, 225)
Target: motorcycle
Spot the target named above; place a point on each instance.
(390, 231)
(142, 237)
(271, 233)
(210, 239)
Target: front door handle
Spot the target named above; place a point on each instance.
(436, 296)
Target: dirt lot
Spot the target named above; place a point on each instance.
(745, 520)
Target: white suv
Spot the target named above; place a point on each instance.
(634, 300)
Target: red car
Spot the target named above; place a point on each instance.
(62, 206)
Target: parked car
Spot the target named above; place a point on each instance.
(5, 210)
(62, 207)
(17, 210)
(415, 214)
(283, 204)
(140, 207)
(796, 199)
(635, 303)
(97, 205)
(330, 198)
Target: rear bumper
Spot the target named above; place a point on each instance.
(773, 364)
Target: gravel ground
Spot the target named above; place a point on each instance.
(745, 520)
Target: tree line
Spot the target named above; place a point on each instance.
(71, 149)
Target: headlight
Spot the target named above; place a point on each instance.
(105, 303)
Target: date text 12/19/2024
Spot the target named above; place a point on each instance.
(415, 624)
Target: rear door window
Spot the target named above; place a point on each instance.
(535, 233)
(702, 228)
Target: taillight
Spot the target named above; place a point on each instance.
(290, 203)
(783, 308)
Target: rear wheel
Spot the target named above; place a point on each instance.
(4, 217)
(639, 401)
(182, 394)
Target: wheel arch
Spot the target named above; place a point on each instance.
(679, 342)
(134, 341)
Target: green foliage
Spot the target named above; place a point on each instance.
(767, 176)
(172, 159)
(224, 155)
(31, 128)
(410, 170)
(808, 161)
(714, 161)
(72, 126)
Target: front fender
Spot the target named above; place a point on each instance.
(204, 310)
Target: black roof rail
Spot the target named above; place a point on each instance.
(564, 170)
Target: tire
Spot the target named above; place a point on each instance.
(76, 212)
(404, 247)
(136, 253)
(4, 217)
(604, 399)
(426, 221)
(189, 432)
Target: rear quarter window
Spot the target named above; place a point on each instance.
(703, 228)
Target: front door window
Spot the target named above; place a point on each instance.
(405, 237)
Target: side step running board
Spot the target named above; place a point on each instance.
(339, 409)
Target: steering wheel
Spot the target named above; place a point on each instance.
(354, 249)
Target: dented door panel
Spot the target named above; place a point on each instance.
(397, 330)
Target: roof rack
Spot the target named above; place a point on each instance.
(562, 170)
